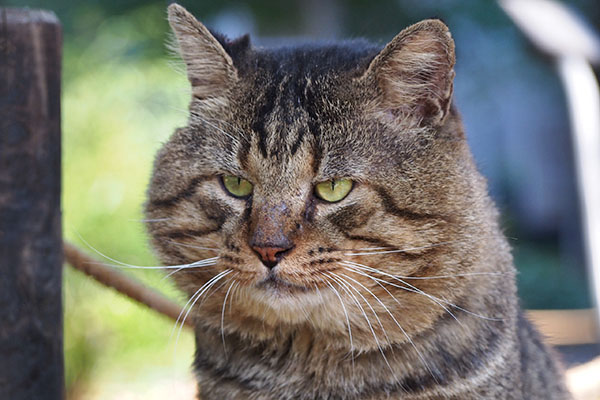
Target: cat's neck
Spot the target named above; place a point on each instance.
(297, 358)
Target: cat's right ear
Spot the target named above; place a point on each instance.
(413, 75)
(210, 69)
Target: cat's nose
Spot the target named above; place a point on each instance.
(270, 234)
(271, 255)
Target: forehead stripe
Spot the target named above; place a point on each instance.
(261, 117)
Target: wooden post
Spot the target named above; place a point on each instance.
(31, 344)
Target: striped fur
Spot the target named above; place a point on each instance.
(402, 290)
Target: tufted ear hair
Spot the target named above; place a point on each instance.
(414, 74)
(210, 69)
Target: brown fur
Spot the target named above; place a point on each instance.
(402, 290)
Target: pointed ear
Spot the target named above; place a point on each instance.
(414, 74)
(210, 69)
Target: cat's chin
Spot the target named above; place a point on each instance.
(278, 299)
(280, 287)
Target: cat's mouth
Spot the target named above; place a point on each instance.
(275, 283)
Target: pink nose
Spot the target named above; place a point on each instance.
(270, 256)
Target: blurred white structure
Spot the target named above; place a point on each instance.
(559, 32)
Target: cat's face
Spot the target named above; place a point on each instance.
(317, 182)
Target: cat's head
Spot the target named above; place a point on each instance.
(310, 178)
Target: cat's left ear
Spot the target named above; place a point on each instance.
(414, 74)
(210, 69)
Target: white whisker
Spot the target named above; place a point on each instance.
(223, 316)
(347, 319)
(204, 288)
(451, 275)
(121, 264)
(344, 284)
(408, 287)
(208, 264)
(183, 309)
(393, 318)
(368, 253)
(368, 303)
(208, 294)
(130, 266)
(417, 290)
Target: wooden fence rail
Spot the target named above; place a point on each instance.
(31, 343)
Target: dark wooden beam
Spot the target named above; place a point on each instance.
(31, 343)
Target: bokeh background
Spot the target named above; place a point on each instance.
(122, 98)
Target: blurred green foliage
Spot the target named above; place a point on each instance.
(544, 282)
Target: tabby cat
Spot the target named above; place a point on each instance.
(333, 234)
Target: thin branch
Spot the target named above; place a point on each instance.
(122, 283)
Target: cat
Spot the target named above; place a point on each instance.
(333, 233)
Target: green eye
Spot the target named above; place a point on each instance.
(236, 186)
(333, 190)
